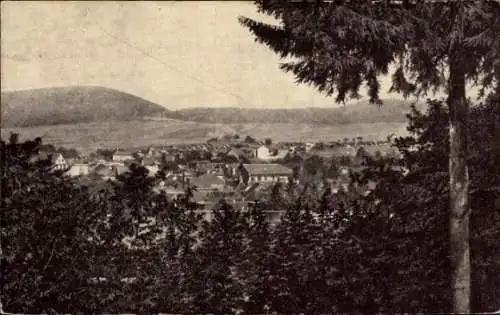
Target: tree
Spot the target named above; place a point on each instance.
(276, 197)
(217, 284)
(314, 165)
(410, 206)
(333, 170)
(48, 230)
(250, 140)
(68, 153)
(361, 155)
(268, 141)
(345, 160)
(257, 247)
(426, 45)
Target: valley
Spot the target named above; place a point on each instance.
(138, 133)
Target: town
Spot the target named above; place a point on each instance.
(238, 170)
(250, 157)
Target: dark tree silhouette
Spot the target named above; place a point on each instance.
(339, 45)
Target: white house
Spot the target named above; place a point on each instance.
(309, 146)
(152, 169)
(79, 168)
(57, 160)
(264, 154)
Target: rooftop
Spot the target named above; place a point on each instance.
(123, 152)
(46, 155)
(267, 169)
(207, 180)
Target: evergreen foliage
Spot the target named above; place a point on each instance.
(424, 45)
(127, 248)
(339, 45)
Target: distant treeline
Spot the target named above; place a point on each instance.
(390, 111)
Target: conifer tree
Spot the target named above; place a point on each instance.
(254, 264)
(216, 284)
(48, 224)
(418, 211)
(425, 45)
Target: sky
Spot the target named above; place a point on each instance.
(176, 54)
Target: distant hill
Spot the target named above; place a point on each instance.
(67, 105)
(361, 112)
(84, 104)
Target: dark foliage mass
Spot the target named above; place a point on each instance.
(126, 248)
(338, 46)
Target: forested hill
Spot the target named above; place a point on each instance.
(361, 112)
(86, 104)
(79, 104)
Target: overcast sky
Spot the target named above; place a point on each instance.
(177, 54)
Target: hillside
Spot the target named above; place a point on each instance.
(83, 104)
(67, 105)
(361, 112)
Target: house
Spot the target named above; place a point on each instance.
(79, 168)
(123, 155)
(181, 178)
(264, 173)
(262, 152)
(151, 164)
(309, 146)
(152, 169)
(57, 161)
(209, 182)
(265, 153)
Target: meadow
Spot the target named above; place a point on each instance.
(87, 137)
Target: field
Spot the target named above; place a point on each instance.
(87, 137)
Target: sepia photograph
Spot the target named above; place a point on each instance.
(250, 157)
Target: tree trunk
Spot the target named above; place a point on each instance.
(459, 183)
